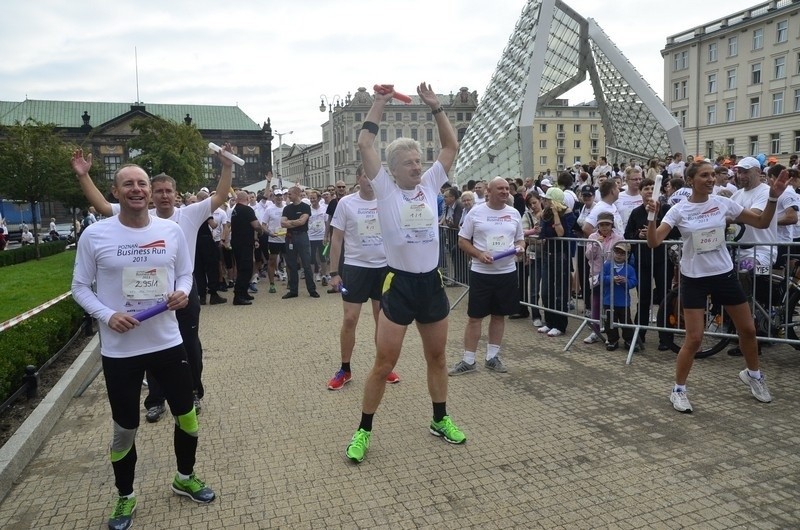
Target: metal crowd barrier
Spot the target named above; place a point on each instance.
(553, 271)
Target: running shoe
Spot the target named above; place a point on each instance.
(537, 322)
(194, 488)
(253, 288)
(680, 401)
(122, 516)
(272, 289)
(357, 449)
(154, 413)
(339, 379)
(543, 329)
(447, 429)
(591, 339)
(757, 386)
(496, 365)
(463, 367)
(392, 378)
(555, 332)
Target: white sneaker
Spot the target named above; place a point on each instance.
(591, 339)
(543, 329)
(680, 402)
(317, 277)
(758, 387)
(554, 332)
(537, 322)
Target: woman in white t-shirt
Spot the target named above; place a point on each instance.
(707, 270)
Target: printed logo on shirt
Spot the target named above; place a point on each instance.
(500, 218)
(420, 196)
(703, 217)
(149, 249)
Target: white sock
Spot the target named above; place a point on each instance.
(491, 351)
(469, 357)
(679, 388)
(755, 374)
(182, 476)
(131, 496)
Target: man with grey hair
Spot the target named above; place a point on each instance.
(413, 289)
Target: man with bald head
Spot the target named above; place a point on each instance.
(490, 228)
(244, 226)
(298, 247)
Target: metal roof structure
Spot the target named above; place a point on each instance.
(69, 113)
(551, 50)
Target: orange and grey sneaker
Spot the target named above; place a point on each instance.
(392, 378)
(339, 379)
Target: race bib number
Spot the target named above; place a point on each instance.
(369, 227)
(497, 243)
(416, 215)
(707, 240)
(142, 283)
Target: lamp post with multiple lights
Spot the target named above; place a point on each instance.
(280, 136)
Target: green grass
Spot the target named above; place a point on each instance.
(25, 286)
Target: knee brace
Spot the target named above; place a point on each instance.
(121, 442)
(188, 422)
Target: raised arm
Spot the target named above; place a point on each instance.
(225, 179)
(762, 219)
(447, 135)
(81, 165)
(366, 137)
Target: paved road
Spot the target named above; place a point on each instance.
(571, 439)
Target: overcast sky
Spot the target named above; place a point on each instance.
(274, 59)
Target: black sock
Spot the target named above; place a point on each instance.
(366, 422)
(439, 411)
(346, 367)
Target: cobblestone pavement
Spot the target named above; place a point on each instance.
(572, 439)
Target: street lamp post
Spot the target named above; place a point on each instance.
(280, 154)
(336, 101)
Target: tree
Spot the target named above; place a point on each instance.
(176, 149)
(34, 161)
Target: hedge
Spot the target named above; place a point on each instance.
(34, 341)
(28, 252)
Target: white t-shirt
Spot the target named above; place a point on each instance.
(409, 220)
(679, 195)
(788, 200)
(479, 200)
(676, 169)
(702, 227)
(316, 224)
(727, 186)
(602, 206)
(189, 218)
(272, 220)
(763, 255)
(220, 217)
(570, 199)
(363, 242)
(493, 231)
(625, 204)
(135, 268)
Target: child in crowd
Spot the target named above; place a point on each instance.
(618, 278)
(598, 250)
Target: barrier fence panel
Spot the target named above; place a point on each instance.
(453, 262)
(637, 300)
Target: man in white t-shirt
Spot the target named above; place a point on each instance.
(413, 289)
(189, 218)
(357, 238)
(677, 167)
(490, 228)
(276, 237)
(602, 169)
(609, 192)
(753, 194)
(630, 198)
(786, 213)
(139, 262)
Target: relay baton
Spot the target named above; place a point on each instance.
(227, 154)
(504, 254)
(656, 194)
(159, 308)
(380, 89)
